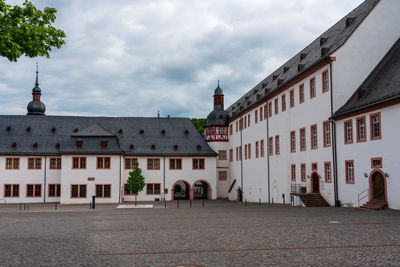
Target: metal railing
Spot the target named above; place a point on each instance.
(362, 195)
(300, 188)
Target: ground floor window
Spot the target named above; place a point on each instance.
(222, 175)
(153, 189)
(11, 190)
(54, 190)
(34, 190)
(103, 190)
(78, 191)
(128, 192)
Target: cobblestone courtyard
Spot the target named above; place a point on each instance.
(221, 234)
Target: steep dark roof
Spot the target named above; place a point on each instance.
(55, 135)
(217, 118)
(382, 85)
(319, 50)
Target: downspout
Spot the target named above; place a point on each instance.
(241, 160)
(44, 180)
(334, 147)
(163, 193)
(267, 151)
(120, 177)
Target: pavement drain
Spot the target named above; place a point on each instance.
(333, 222)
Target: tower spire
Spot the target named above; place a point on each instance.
(37, 74)
(36, 107)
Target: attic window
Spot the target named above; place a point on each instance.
(349, 21)
(274, 77)
(131, 147)
(323, 51)
(58, 145)
(79, 143)
(266, 91)
(255, 91)
(141, 132)
(186, 132)
(280, 81)
(322, 41)
(246, 97)
(300, 67)
(28, 129)
(8, 129)
(53, 129)
(285, 69)
(120, 131)
(35, 145)
(104, 143)
(14, 145)
(302, 56)
(258, 96)
(249, 103)
(198, 147)
(361, 93)
(76, 130)
(163, 132)
(264, 84)
(153, 146)
(175, 147)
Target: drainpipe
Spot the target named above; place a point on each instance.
(267, 151)
(44, 180)
(334, 146)
(120, 177)
(163, 193)
(241, 159)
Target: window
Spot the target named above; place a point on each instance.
(312, 88)
(103, 162)
(303, 172)
(269, 109)
(245, 121)
(223, 175)
(198, 164)
(301, 93)
(361, 135)
(241, 124)
(153, 164)
(55, 163)
(328, 172)
(103, 190)
(35, 163)
(222, 154)
(255, 116)
(291, 94)
(375, 120)
(327, 134)
(240, 153)
(11, 190)
(153, 189)
(376, 163)
(262, 148)
(261, 113)
(130, 163)
(348, 132)
(54, 190)
(292, 141)
(248, 120)
(276, 106)
(79, 163)
(271, 149)
(128, 192)
(237, 153)
(325, 81)
(245, 151)
(265, 111)
(249, 150)
(277, 148)
(176, 164)
(314, 137)
(34, 190)
(283, 102)
(237, 128)
(12, 163)
(231, 129)
(257, 149)
(349, 171)
(314, 166)
(231, 155)
(78, 191)
(293, 172)
(302, 139)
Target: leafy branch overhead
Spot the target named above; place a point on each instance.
(28, 30)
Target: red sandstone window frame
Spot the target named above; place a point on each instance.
(198, 163)
(262, 148)
(173, 162)
(283, 100)
(249, 151)
(35, 163)
(79, 191)
(269, 109)
(101, 163)
(303, 130)
(153, 163)
(222, 177)
(325, 137)
(303, 172)
(371, 122)
(314, 146)
(277, 145)
(314, 166)
(292, 141)
(248, 120)
(81, 161)
(34, 191)
(301, 93)
(346, 136)
(293, 172)
(265, 111)
(231, 155)
(57, 163)
(132, 163)
(222, 154)
(276, 106)
(128, 192)
(245, 151)
(358, 119)
(291, 98)
(313, 89)
(12, 191)
(57, 190)
(375, 166)
(270, 146)
(240, 153)
(328, 178)
(257, 150)
(153, 189)
(261, 113)
(102, 195)
(347, 162)
(13, 161)
(325, 86)
(256, 116)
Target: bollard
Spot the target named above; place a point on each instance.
(272, 201)
(259, 201)
(283, 196)
(177, 203)
(165, 204)
(190, 202)
(93, 202)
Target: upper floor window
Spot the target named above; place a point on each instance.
(78, 163)
(231, 129)
(327, 134)
(255, 116)
(249, 150)
(325, 81)
(12, 163)
(261, 113)
(328, 172)
(103, 162)
(314, 137)
(34, 190)
(11, 190)
(265, 111)
(276, 106)
(277, 145)
(262, 148)
(55, 163)
(175, 164)
(198, 164)
(361, 135)
(301, 93)
(237, 128)
(245, 151)
(222, 175)
(349, 171)
(153, 164)
(248, 120)
(269, 109)
(291, 94)
(302, 139)
(231, 155)
(257, 150)
(283, 102)
(293, 172)
(348, 132)
(78, 191)
(270, 146)
(375, 120)
(34, 163)
(54, 190)
(292, 141)
(312, 88)
(103, 190)
(222, 154)
(130, 163)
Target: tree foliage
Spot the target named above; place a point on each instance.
(200, 124)
(28, 30)
(135, 182)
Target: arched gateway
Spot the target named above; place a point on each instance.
(181, 190)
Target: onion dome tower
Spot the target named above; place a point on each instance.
(217, 121)
(36, 107)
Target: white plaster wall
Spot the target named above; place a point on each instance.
(387, 147)
(222, 165)
(364, 49)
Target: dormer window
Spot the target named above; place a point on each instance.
(14, 145)
(120, 131)
(285, 69)
(79, 143)
(28, 129)
(302, 56)
(76, 130)
(175, 147)
(153, 146)
(35, 145)
(58, 145)
(141, 131)
(274, 77)
(8, 128)
(163, 132)
(323, 51)
(349, 21)
(186, 132)
(104, 143)
(131, 147)
(198, 147)
(322, 41)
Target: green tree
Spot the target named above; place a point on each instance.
(200, 124)
(28, 30)
(135, 182)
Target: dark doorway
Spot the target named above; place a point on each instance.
(181, 190)
(315, 183)
(378, 186)
(200, 190)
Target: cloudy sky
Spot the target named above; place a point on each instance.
(134, 57)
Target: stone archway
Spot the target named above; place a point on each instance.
(314, 182)
(377, 185)
(181, 190)
(202, 190)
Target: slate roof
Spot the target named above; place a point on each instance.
(125, 135)
(382, 85)
(319, 50)
(217, 118)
